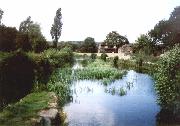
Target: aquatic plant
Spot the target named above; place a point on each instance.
(122, 92)
(60, 83)
(99, 70)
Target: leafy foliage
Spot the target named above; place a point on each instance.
(93, 56)
(143, 43)
(59, 58)
(23, 43)
(16, 77)
(1, 14)
(104, 56)
(89, 45)
(99, 70)
(168, 80)
(60, 84)
(166, 33)
(115, 61)
(7, 38)
(35, 38)
(114, 38)
(56, 27)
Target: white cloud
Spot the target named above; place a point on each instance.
(95, 18)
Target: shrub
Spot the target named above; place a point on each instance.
(167, 80)
(57, 58)
(115, 61)
(103, 56)
(93, 56)
(16, 77)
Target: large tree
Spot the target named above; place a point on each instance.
(167, 32)
(33, 30)
(1, 14)
(56, 27)
(89, 45)
(144, 44)
(114, 38)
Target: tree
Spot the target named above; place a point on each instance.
(143, 43)
(1, 14)
(22, 42)
(7, 38)
(160, 35)
(89, 45)
(167, 32)
(33, 30)
(25, 25)
(56, 27)
(114, 38)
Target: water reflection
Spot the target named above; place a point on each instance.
(93, 104)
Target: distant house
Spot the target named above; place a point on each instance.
(126, 49)
(104, 48)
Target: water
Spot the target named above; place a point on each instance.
(94, 104)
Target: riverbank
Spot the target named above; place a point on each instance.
(31, 110)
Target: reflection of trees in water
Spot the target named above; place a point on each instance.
(167, 118)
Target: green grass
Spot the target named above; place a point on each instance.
(99, 70)
(20, 113)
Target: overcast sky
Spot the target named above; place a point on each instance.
(94, 18)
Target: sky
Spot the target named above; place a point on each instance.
(90, 18)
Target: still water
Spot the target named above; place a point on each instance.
(94, 104)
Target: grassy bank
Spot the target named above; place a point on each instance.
(23, 112)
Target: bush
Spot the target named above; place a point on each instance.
(115, 61)
(103, 56)
(23, 42)
(16, 77)
(168, 80)
(57, 58)
(42, 68)
(93, 56)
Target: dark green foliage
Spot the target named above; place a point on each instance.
(166, 33)
(7, 38)
(115, 39)
(103, 56)
(23, 43)
(59, 58)
(115, 61)
(16, 77)
(143, 43)
(40, 45)
(168, 80)
(31, 36)
(89, 45)
(60, 84)
(56, 27)
(93, 56)
(1, 14)
(84, 62)
(43, 69)
(68, 44)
